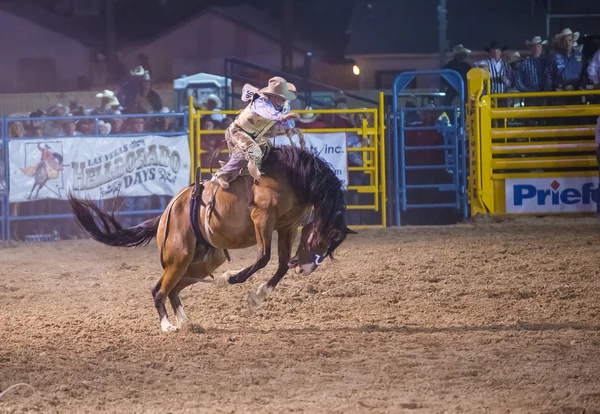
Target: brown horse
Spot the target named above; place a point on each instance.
(244, 215)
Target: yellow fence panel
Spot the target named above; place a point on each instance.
(531, 153)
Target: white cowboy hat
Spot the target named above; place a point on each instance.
(460, 49)
(515, 57)
(164, 110)
(105, 94)
(138, 71)
(114, 101)
(537, 40)
(309, 117)
(107, 125)
(568, 32)
(280, 87)
(215, 99)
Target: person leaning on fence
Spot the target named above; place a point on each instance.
(500, 72)
(459, 64)
(530, 76)
(593, 70)
(565, 65)
(268, 110)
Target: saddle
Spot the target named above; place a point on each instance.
(196, 201)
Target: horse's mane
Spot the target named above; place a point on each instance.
(314, 182)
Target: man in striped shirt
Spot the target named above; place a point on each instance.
(530, 77)
(500, 72)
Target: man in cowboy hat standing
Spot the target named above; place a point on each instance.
(593, 70)
(500, 72)
(530, 76)
(460, 65)
(268, 111)
(564, 68)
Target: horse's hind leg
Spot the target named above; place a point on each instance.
(196, 272)
(177, 258)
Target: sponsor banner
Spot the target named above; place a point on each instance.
(331, 147)
(98, 167)
(551, 195)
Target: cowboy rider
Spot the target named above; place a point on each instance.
(268, 112)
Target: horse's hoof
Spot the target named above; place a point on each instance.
(222, 280)
(170, 328)
(253, 301)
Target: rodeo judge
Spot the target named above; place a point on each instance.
(267, 113)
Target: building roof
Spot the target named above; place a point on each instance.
(88, 34)
(411, 27)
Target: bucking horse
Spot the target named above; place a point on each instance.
(203, 221)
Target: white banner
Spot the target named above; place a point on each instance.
(331, 147)
(98, 167)
(551, 195)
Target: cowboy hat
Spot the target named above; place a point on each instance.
(537, 40)
(515, 57)
(105, 94)
(138, 71)
(280, 87)
(568, 32)
(215, 99)
(458, 49)
(494, 44)
(107, 125)
(308, 117)
(114, 101)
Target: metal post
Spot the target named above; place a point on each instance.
(287, 38)
(307, 90)
(548, 17)
(442, 21)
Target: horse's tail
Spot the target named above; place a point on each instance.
(103, 227)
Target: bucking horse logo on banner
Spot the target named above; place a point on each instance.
(48, 168)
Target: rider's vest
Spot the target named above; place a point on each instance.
(254, 125)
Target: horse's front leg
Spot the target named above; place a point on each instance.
(284, 248)
(264, 223)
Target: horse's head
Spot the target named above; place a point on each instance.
(315, 247)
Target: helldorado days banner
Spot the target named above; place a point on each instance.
(98, 168)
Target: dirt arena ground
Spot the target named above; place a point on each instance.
(478, 317)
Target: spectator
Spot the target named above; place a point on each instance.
(207, 124)
(593, 70)
(104, 128)
(108, 103)
(514, 61)
(530, 76)
(69, 127)
(135, 125)
(143, 60)
(37, 132)
(16, 130)
(116, 124)
(459, 64)
(129, 90)
(500, 73)
(565, 66)
(214, 103)
(147, 98)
